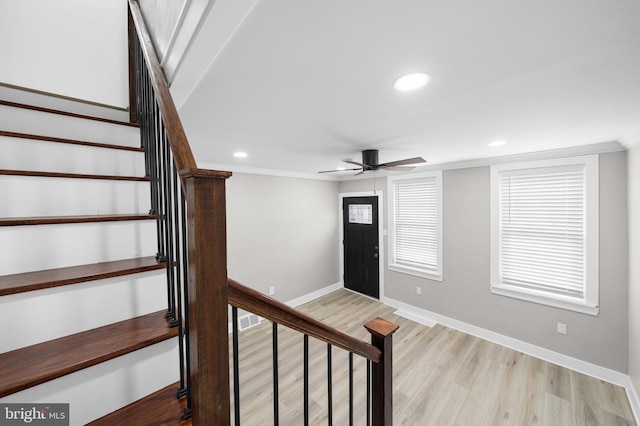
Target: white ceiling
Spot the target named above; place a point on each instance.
(302, 85)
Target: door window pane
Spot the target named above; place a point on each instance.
(361, 213)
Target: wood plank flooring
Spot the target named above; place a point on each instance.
(441, 377)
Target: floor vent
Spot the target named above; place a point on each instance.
(248, 321)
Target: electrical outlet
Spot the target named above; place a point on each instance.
(418, 290)
(562, 328)
(272, 291)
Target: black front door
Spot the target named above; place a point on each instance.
(361, 248)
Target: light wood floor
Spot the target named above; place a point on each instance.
(441, 377)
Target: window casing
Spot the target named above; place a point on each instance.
(544, 232)
(415, 224)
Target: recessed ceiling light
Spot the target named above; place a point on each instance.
(240, 154)
(498, 143)
(412, 81)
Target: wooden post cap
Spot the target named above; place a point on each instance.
(381, 327)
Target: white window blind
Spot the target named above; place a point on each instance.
(416, 229)
(543, 225)
(544, 232)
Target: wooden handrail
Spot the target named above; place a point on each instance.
(274, 310)
(175, 132)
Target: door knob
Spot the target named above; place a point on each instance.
(375, 255)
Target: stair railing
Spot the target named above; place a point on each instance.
(190, 207)
(379, 391)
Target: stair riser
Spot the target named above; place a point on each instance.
(45, 156)
(66, 310)
(103, 388)
(32, 248)
(42, 123)
(40, 196)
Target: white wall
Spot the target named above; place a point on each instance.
(634, 265)
(74, 48)
(282, 232)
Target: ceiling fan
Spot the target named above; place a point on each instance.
(370, 162)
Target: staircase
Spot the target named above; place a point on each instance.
(83, 296)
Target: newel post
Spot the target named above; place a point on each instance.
(207, 254)
(382, 374)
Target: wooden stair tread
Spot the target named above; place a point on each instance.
(71, 175)
(33, 365)
(66, 113)
(159, 408)
(54, 220)
(68, 141)
(38, 280)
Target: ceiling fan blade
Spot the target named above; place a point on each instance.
(354, 163)
(359, 173)
(337, 170)
(414, 160)
(398, 168)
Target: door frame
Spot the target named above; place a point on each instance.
(381, 236)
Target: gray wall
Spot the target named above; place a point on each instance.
(282, 232)
(634, 265)
(464, 294)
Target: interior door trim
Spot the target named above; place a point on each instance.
(381, 235)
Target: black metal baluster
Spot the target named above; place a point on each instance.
(145, 124)
(179, 236)
(168, 187)
(160, 171)
(138, 71)
(141, 105)
(276, 404)
(139, 68)
(150, 148)
(185, 280)
(306, 379)
(154, 166)
(163, 205)
(351, 388)
(368, 392)
(329, 386)
(236, 367)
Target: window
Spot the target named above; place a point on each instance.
(544, 232)
(415, 228)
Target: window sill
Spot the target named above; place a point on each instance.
(416, 272)
(556, 303)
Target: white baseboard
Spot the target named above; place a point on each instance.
(634, 399)
(426, 317)
(313, 295)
